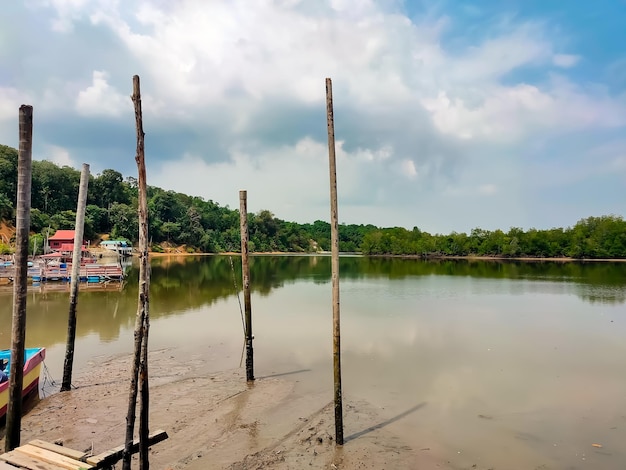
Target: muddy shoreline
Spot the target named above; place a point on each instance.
(216, 420)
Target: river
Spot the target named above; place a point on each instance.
(490, 362)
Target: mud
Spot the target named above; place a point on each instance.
(216, 420)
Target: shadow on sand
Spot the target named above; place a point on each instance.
(284, 373)
(385, 423)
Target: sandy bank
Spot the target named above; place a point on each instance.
(216, 420)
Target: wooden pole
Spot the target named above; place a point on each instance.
(142, 322)
(18, 331)
(245, 268)
(334, 242)
(79, 230)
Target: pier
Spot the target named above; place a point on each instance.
(62, 273)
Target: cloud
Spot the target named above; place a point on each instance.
(511, 113)
(68, 11)
(263, 176)
(408, 167)
(488, 189)
(426, 106)
(10, 101)
(565, 60)
(101, 99)
(60, 156)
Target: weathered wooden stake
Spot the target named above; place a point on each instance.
(18, 331)
(334, 241)
(79, 230)
(142, 321)
(245, 268)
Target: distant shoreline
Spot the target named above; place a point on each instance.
(390, 256)
(503, 258)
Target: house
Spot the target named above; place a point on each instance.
(119, 246)
(63, 240)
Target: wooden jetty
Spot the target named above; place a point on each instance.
(42, 455)
(63, 272)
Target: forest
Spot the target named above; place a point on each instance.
(205, 226)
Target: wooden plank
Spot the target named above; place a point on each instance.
(6, 466)
(74, 454)
(60, 461)
(109, 457)
(24, 461)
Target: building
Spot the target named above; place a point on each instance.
(63, 241)
(121, 247)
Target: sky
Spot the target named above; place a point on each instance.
(449, 114)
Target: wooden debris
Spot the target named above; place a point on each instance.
(114, 455)
(74, 454)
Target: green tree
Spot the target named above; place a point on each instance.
(125, 222)
(8, 173)
(6, 207)
(109, 188)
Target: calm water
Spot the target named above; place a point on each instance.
(514, 365)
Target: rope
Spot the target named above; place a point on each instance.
(47, 378)
(243, 322)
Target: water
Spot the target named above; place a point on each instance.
(503, 365)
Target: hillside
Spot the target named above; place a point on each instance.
(200, 225)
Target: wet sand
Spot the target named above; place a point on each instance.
(216, 420)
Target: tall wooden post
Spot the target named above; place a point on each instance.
(334, 242)
(18, 331)
(245, 269)
(142, 321)
(79, 231)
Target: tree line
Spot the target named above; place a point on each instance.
(594, 237)
(205, 226)
(174, 218)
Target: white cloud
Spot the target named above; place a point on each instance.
(487, 189)
(378, 58)
(511, 113)
(101, 99)
(60, 156)
(10, 101)
(68, 11)
(237, 89)
(565, 60)
(409, 170)
(304, 191)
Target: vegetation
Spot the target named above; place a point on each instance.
(179, 219)
(594, 237)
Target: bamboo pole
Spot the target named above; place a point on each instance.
(18, 330)
(142, 322)
(334, 241)
(245, 268)
(79, 230)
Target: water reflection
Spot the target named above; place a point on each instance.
(594, 282)
(181, 284)
(517, 362)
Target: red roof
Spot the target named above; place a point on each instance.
(63, 235)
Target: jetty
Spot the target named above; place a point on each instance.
(62, 272)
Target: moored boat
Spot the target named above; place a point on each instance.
(32, 368)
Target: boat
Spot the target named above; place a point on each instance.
(32, 367)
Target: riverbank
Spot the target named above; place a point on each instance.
(420, 257)
(216, 420)
(503, 258)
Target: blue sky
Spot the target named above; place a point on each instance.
(449, 114)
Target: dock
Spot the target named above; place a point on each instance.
(63, 273)
(42, 455)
